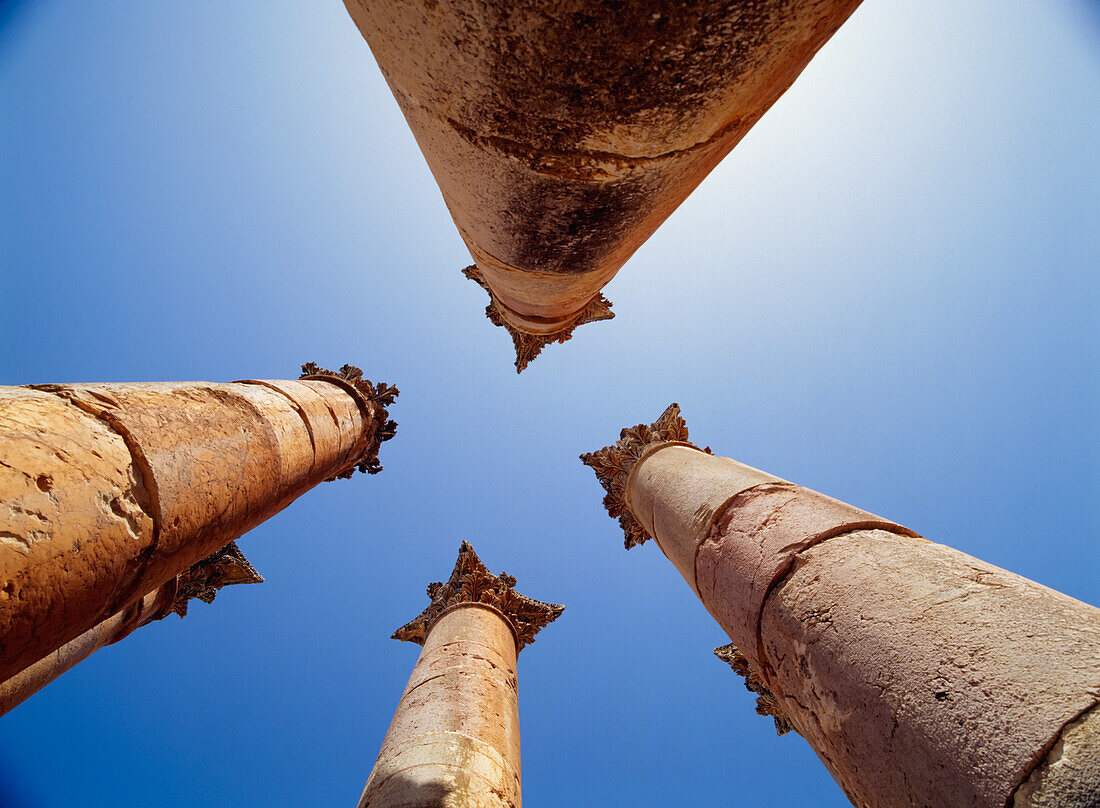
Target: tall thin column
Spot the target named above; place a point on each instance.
(227, 567)
(921, 676)
(109, 491)
(563, 134)
(454, 738)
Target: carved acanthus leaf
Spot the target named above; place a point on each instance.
(612, 465)
(380, 395)
(766, 702)
(226, 567)
(528, 345)
(472, 582)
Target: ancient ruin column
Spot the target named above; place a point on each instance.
(227, 567)
(109, 491)
(921, 676)
(454, 739)
(562, 134)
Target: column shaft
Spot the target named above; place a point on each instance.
(227, 567)
(920, 675)
(562, 135)
(454, 739)
(960, 675)
(109, 491)
(30, 680)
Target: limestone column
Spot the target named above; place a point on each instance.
(227, 567)
(921, 676)
(109, 491)
(563, 134)
(454, 739)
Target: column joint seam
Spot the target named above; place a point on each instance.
(149, 482)
(367, 411)
(715, 518)
(1044, 752)
(790, 567)
(296, 407)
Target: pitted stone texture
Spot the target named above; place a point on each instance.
(678, 492)
(454, 739)
(215, 454)
(753, 546)
(111, 490)
(72, 502)
(214, 459)
(1069, 776)
(922, 676)
(562, 134)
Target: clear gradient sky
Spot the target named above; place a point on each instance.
(887, 292)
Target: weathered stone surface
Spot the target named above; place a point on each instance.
(212, 457)
(372, 399)
(320, 426)
(1069, 776)
(76, 520)
(678, 492)
(454, 739)
(109, 491)
(614, 465)
(563, 133)
(923, 676)
(755, 543)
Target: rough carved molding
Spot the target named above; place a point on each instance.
(226, 567)
(527, 345)
(472, 582)
(380, 394)
(766, 702)
(612, 465)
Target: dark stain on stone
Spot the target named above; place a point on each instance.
(593, 69)
(568, 227)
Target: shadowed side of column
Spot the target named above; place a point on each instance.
(919, 675)
(108, 491)
(454, 739)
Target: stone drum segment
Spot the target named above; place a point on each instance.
(921, 676)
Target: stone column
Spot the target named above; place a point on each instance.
(562, 134)
(921, 676)
(454, 739)
(109, 491)
(227, 567)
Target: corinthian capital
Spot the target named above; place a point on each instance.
(472, 582)
(613, 464)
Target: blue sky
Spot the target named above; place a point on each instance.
(887, 293)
